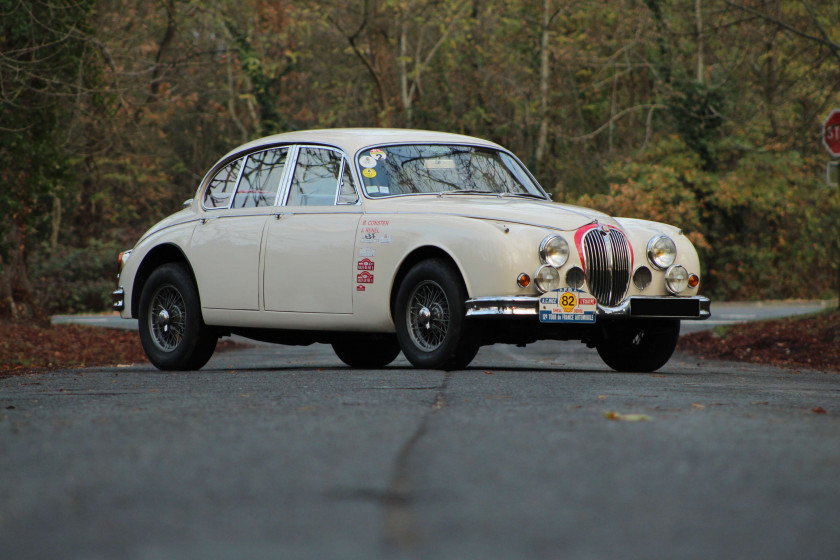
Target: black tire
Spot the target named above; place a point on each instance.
(172, 331)
(639, 346)
(367, 350)
(430, 317)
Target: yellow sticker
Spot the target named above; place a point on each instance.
(369, 173)
(568, 302)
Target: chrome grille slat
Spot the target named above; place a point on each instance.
(607, 265)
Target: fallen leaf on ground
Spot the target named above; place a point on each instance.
(818, 410)
(611, 415)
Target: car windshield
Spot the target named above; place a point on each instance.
(444, 170)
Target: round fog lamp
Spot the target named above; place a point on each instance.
(575, 278)
(676, 279)
(547, 278)
(642, 278)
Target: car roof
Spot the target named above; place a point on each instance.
(352, 140)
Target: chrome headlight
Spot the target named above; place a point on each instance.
(547, 278)
(662, 252)
(676, 279)
(554, 251)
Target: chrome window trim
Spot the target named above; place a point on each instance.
(345, 166)
(216, 171)
(288, 182)
(245, 159)
(364, 193)
(283, 190)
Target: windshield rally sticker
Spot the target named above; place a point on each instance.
(567, 305)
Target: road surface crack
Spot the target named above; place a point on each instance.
(399, 531)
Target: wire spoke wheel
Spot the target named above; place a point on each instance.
(428, 315)
(172, 331)
(167, 318)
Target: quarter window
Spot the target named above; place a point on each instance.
(261, 179)
(347, 191)
(221, 187)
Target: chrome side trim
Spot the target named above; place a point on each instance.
(528, 305)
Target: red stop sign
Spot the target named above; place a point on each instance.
(831, 133)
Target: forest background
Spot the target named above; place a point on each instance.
(701, 113)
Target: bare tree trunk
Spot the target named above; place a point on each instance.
(404, 93)
(7, 302)
(14, 283)
(699, 31)
(55, 223)
(542, 136)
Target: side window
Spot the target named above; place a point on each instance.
(347, 190)
(261, 178)
(315, 182)
(222, 185)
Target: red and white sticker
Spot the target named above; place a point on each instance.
(365, 264)
(364, 278)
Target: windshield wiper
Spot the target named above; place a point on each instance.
(467, 191)
(522, 195)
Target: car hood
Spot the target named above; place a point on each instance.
(538, 213)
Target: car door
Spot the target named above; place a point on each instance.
(309, 244)
(225, 247)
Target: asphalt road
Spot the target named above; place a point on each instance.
(281, 452)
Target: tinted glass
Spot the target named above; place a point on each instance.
(422, 169)
(315, 182)
(222, 185)
(261, 179)
(347, 190)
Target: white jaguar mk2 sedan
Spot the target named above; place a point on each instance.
(379, 241)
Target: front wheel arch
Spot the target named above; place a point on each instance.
(166, 253)
(418, 255)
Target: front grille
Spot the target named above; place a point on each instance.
(607, 265)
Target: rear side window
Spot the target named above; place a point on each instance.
(220, 190)
(261, 178)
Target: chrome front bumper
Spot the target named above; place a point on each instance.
(118, 299)
(695, 308)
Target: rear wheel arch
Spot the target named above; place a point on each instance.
(157, 257)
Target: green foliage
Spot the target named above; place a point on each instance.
(75, 279)
(111, 111)
(758, 225)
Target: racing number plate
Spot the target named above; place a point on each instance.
(567, 305)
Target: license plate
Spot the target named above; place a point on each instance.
(567, 305)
